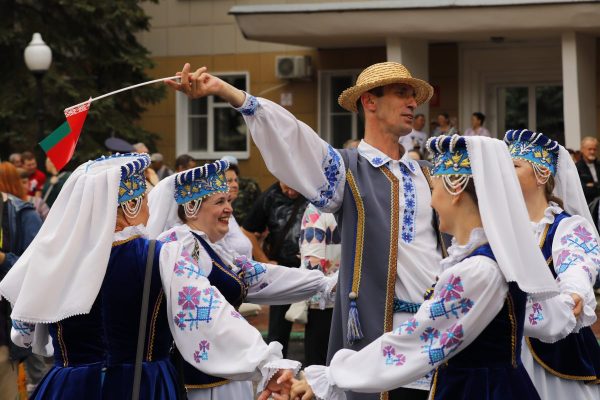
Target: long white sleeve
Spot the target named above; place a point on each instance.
(22, 333)
(295, 154)
(276, 284)
(210, 334)
(467, 297)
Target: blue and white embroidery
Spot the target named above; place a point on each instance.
(186, 263)
(408, 327)
(450, 302)
(377, 162)
(410, 205)
(566, 259)
(202, 353)
(581, 238)
(250, 106)
(536, 315)
(332, 165)
(197, 306)
(440, 345)
(252, 269)
(391, 358)
(23, 328)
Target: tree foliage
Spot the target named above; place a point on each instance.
(94, 51)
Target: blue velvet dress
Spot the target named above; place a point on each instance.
(95, 353)
(490, 368)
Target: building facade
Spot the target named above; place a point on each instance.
(524, 64)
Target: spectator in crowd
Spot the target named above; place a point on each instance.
(19, 223)
(279, 209)
(320, 248)
(36, 177)
(16, 160)
(20, 175)
(151, 176)
(444, 127)
(184, 162)
(477, 129)
(162, 171)
(575, 155)
(416, 139)
(589, 168)
(54, 184)
(248, 191)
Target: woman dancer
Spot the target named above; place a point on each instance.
(568, 366)
(194, 208)
(81, 280)
(470, 330)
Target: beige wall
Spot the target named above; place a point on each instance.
(443, 74)
(160, 118)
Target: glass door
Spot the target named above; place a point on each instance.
(538, 107)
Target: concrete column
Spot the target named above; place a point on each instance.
(414, 55)
(579, 87)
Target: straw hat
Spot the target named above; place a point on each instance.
(382, 74)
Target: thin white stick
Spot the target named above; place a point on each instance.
(122, 90)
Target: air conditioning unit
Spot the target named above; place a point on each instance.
(292, 67)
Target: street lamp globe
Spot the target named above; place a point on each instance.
(38, 56)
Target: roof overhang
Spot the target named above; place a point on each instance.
(369, 23)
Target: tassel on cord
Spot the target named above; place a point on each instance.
(354, 332)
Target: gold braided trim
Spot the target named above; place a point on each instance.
(153, 325)
(61, 343)
(427, 175)
(544, 235)
(360, 231)
(129, 239)
(592, 378)
(388, 323)
(384, 396)
(208, 385)
(434, 384)
(513, 330)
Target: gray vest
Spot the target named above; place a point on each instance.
(368, 220)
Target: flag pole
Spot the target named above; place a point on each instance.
(122, 90)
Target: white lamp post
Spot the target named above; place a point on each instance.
(38, 57)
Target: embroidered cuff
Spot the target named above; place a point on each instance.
(276, 364)
(250, 105)
(321, 383)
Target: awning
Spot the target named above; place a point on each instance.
(369, 23)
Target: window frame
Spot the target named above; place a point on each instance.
(182, 125)
(324, 102)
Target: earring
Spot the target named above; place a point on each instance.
(191, 208)
(131, 208)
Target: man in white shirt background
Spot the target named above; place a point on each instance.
(417, 138)
(589, 168)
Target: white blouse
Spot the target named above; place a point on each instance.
(210, 334)
(576, 256)
(236, 240)
(469, 294)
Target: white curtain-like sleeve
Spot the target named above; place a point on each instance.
(277, 284)
(467, 298)
(576, 256)
(295, 154)
(210, 334)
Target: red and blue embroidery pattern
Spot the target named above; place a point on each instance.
(186, 263)
(196, 306)
(252, 269)
(202, 353)
(536, 314)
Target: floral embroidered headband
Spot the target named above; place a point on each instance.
(201, 182)
(450, 161)
(536, 148)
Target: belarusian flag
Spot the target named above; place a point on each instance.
(59, 146)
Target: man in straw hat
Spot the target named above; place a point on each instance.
(390, 251)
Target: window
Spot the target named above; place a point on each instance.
(337, 125)
(537, 107)
(209, 128)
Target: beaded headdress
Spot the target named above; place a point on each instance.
(536, 148)
(193, 185)
(450, 161)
